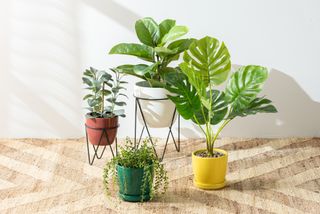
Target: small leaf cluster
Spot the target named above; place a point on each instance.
(143, 157)
(160, 46)
(103, 88)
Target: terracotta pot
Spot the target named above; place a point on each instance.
(109, 124)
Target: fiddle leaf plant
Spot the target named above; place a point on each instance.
(160, 45)
(206, 65)
(102, 87)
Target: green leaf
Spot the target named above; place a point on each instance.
(163, 51)
(93, 102)
(106, 92)
(172, 58)
(141, 51)
(155, 83)
(128, 69)
(87, 96)
(195, 78)
(111, 99)
(88, 73)
(180, 45)
(148, 31)
(105, 77)
(86, 81)
(258, 105)
(142, 69)
(96, 85)
(244, 86)
(121, 94)
(219, 109)
(174, 33)
(186, 100)
(109, 84)
(210, 58)
(164, 72)
(165, 26)
(119, 112)
(120, 103)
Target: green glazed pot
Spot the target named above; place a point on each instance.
(130, 182)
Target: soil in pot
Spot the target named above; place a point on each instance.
(130, 181)
(205, 154)
(95, 132)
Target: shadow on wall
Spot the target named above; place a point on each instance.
(298, 114)
(41, 71)
(117, 12)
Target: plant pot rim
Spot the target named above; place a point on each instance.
(145, 84)
(88, 116)
(118, 165)
(225, 154)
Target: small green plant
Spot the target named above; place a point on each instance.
(206, 64)
(159, 47)
(103, 87)
(138, 158)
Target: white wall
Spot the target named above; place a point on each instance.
(46, 44)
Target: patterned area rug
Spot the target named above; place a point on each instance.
(264, 176)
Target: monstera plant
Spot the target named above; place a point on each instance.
(206, 64)
(160, 44)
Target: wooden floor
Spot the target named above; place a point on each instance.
(264, 176)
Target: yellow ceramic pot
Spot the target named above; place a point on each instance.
(210, 173)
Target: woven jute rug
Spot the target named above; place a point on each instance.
(264, 176)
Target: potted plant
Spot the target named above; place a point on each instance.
(103, 87)
(137, 172)
(159, 48)
(206, 64)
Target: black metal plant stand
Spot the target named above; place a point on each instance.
(145, 127)
(96, 148)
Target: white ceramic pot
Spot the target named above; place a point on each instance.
(157, 113)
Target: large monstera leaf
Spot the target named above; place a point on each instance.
(219, 109)
(244, 86)
(186, 100)
(258, 105)
(210, 58)
(148, 31)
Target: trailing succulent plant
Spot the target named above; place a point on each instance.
(206, 64)
(160, 46)
(103, 87)
(138, 158)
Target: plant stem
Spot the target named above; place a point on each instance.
(219, 130)
(209, 129)
(195, 118)
(158, 68)
(102, 107)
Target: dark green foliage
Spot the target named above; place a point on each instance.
(159, 46)
(142, 157)
(207, 64)
(103, 87)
